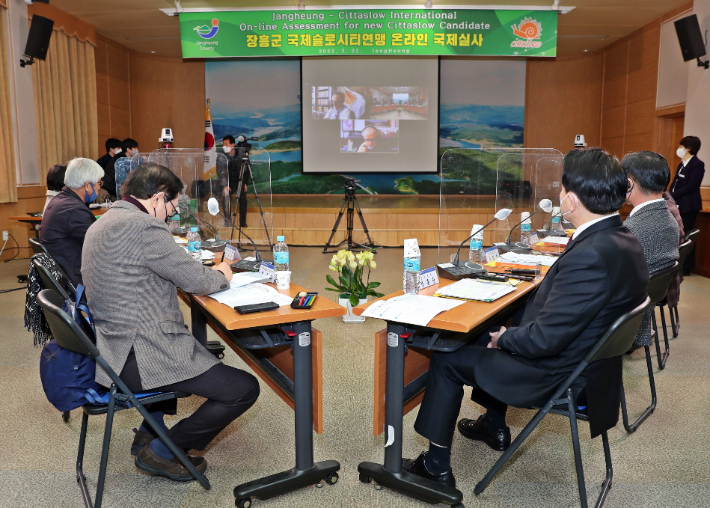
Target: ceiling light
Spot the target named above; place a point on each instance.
(427, 4)
(301, 5)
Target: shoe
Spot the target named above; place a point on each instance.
(140, 439)
(417, 467)
(150, 462)
(499, 440)
(243, 225)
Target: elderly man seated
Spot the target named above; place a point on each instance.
(650, 220)
(67, 216)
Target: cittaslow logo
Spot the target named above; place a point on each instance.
(530, 30)
(207, 32)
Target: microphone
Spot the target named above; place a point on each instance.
(213, 209)
(214, 243)
(544, 206)
(458, 272)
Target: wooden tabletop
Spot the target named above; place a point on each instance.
(232, 320)
(464, 317)
(31, 219)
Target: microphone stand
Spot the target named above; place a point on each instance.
(231, 237)
(186, 210)
(456, 259)
(555, 232)
(507, 246)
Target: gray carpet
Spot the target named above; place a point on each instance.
(663, 464)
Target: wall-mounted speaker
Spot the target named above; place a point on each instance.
(690, 38)
(38, 38)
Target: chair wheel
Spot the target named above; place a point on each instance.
(319, 485)
(243, 503)
(364, 478)
(378, 486)
(331, 479)
(220, 356)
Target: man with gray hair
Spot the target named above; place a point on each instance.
(67, 217)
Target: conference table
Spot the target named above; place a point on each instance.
(35, 221)
(402, 354)
(286, 352)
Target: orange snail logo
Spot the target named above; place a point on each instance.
(530, 30)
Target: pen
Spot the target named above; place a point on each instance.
(310, 300)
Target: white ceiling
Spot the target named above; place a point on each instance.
(141, 26)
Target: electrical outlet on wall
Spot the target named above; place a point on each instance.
(5, 236)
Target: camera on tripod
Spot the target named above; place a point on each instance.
(350, 185)
(243, 146)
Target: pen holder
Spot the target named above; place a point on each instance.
(304, 300)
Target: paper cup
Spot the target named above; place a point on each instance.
(283, 279)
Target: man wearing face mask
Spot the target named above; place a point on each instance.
(129, 148)
(685, 188)
(67, 217)
(601, 275)
(131, 268)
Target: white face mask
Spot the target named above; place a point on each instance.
(561, 201)
(681, 152)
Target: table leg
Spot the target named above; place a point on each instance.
(390, 474)
(306, 471)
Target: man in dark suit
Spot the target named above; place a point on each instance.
(601, 275)
(112, 146)
(685, 188)
(231, 150)
(650, 220)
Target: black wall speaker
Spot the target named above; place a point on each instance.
(38, 38)
(690, 38)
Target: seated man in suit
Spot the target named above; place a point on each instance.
(67, 217)
(601, 275)
(650, 220)
(131, 266)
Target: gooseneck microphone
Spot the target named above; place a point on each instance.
(184, 209)
(213, 208)
(544, 206)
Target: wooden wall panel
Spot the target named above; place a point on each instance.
(167, 92)
(113, 95)
(562, 99)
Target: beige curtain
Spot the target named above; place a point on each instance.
(65, 102)
(8, 178)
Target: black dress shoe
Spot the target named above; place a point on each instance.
(150, 462)
(140, 439)
(499, 440)
(417, 467)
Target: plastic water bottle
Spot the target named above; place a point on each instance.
(475, 251)
(174, 223)
(412, 266)
(525, 228)
(281, 254)
(194, 243)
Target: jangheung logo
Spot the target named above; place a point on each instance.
(207, 32)
(530, 30)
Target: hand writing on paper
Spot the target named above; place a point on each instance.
(494, 338)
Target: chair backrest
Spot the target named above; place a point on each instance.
(621, 334)
(65, 289)
(37, 247)
(659, 281)
(65, 331)
(683, 250)
(692, 235)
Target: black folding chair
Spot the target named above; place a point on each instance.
(69, 336)
(657, 288)
(615, 342)
(692, 236)
(37, 247)
(683, 251)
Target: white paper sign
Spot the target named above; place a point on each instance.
(534, 239)
(479, 234)
(490, 254)
(231, 253)
(411, 248)
(268, 270)
(427, 278)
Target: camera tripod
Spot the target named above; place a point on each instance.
(350, 205)
(246, 176)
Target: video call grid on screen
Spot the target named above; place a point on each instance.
(370, 114)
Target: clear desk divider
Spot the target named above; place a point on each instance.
(477, 182)
(260, 217)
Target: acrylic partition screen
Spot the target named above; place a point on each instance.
(475, 183)
(123, 168)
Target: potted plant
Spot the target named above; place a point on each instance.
(350, 286)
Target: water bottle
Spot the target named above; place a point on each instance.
(525, 228)
(174, 223)
(281, 254)
(475, 251)
(194, 243)
(555, 223)
(412, 266)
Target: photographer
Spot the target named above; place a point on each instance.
(231, 150)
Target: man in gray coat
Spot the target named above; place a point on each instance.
(131, 266)
(650, 220)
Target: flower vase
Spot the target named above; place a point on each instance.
(344, 300)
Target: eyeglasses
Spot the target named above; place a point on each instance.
(174, 212)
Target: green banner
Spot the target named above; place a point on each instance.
(289, 32)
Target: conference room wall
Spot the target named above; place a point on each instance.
(113, 90)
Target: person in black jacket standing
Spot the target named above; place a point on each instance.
(67, 217)
(601, 275)
(113, 146)
(685, 189)
(129, 148)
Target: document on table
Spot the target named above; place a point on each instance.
(243, 278)
(471, 289)
(410, 309)
(251, 294)
(527, 259)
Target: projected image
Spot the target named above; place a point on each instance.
(376, 103)
(369, 136)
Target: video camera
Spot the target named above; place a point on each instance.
(243, 146)
(350, 185)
